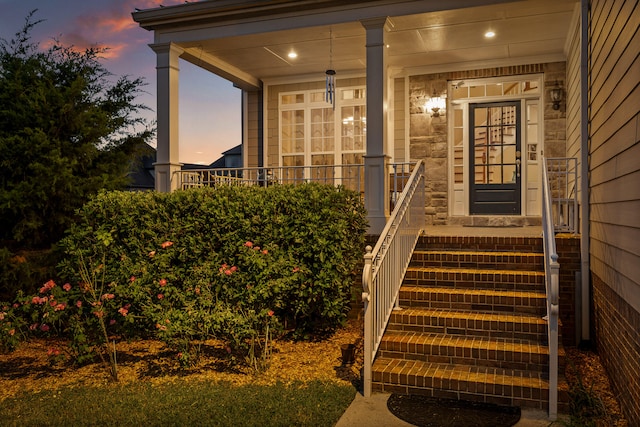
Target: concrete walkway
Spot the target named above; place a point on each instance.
(373, 412)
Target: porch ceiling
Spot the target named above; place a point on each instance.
(533, 30)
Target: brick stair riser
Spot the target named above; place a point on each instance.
(527, 331)
(442, 388)
(425, 298)
(482, 244)
(485, 261)
(496, 358)
(516, 281)
(477, 384)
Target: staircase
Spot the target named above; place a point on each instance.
(471, 324)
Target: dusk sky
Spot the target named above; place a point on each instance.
(209, 106)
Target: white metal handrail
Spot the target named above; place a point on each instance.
(563, 180)
(386, 264)
(552, 284)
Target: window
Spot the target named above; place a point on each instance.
(313, 135)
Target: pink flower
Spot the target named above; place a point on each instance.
(296, 269)
(123, 311)
(161, 327)
(162, 282)
(264, 252)
(44, 327)
(1, 316)
(270, 313)
(228, 272)
(16, 305)
(152, 254)
(132, 279)
(78, 303)
(112, 322)
(223, 267)
(160, 296)
(12, 332)
(53, 352)
(60, 307)
(248, 244)
(33, 326)
(107, 296)
(53, 303)
(228, 349)
(166, 244)
(66, 287)
(47, 286)
(234, 269)
(179, 355)
(197, 290)
(39, 300)
(127, 306)
(99, 314)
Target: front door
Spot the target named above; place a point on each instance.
(495, 158)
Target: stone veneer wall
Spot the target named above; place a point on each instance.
(617, 328)
(428, 135)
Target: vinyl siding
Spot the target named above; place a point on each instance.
(614, 181)
(615, 146)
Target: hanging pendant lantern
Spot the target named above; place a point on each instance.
(330, 76)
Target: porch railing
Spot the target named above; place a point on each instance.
(349, 176)
(563, 181)
(386, 264)
(552, 284)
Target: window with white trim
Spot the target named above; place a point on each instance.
(313, 134)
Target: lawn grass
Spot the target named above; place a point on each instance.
(182, 403)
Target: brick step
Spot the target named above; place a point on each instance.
(469, 324)
(527, 261)
(474, 299)
(467, 278)
(499, 386)
(464, 350)
(483, 244)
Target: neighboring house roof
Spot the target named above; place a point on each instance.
(143, 174)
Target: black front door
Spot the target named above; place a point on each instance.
(495, 158)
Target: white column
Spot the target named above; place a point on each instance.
(167, 160)
(376, 177)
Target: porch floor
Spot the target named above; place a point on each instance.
(462, 231)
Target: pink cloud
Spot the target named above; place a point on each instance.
(112, 27)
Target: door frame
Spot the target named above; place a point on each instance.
(458, 188)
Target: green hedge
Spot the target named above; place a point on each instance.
(234, 263)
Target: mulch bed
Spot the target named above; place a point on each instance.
(29, 367)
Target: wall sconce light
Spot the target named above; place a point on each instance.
(556, 96)
(436, 105)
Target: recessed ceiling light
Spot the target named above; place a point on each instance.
(489, 34)
(292, 55)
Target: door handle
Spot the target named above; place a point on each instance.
(518, 155)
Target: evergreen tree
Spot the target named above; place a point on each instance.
(68, 128)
